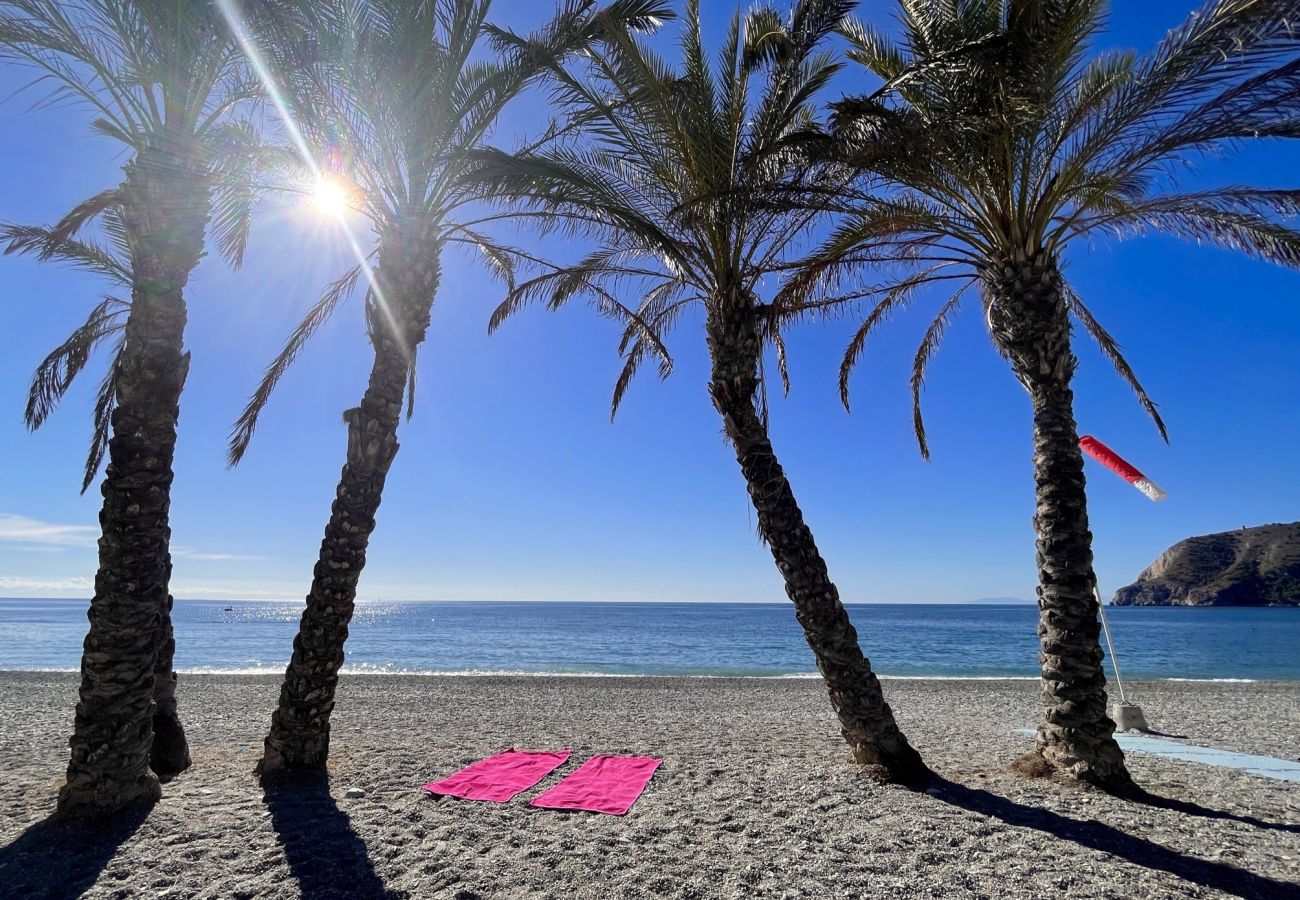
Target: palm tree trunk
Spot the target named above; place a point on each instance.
(165, 208)
(170, 754)
(866, 721)
(1030, 323)
(300, 728)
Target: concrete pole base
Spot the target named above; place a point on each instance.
(1128, 717)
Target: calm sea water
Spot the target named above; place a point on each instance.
(673, 639)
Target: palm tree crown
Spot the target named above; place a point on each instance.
(998, 136)
(152, 73)
(694, 180)
(395, 98)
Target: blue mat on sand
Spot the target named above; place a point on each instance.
(1264, 766)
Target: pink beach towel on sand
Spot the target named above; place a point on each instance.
(603, 784)
(498, 778)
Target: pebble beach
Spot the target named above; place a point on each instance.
(755, 797)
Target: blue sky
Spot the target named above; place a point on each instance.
(511, 483)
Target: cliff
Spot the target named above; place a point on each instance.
(1248, 567)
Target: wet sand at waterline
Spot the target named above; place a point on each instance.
(754, 798)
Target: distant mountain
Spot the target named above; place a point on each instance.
(1257, 566)
(1000, 601)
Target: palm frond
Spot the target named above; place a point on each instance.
(56, 373)
(631, 363)
(241, 159)
(921, 362)
(140, 68)
(46, 244)
(874, 51)
(1245, 232)
(399, 99)
(102, 418)
(897, 297)
(1111, 350)
(84, 212)
(782, 360)
(320, 313)
(410, 391)
(501, 260)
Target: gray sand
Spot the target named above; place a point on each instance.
(755, 798)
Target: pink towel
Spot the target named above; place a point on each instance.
(603, 784)
(500, 777)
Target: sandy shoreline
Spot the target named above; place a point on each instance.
(754, 798)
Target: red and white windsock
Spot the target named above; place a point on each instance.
(1121, 467)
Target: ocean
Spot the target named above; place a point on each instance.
(693, 639)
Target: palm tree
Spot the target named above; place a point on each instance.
(695, 184)
(162, 78)
(169, 754)
(392, 98)
(999, 142)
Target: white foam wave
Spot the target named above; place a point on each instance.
(959, 678)
(557, 673)
(43, 671)
(1216, 680)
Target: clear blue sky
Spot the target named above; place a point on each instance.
(512, 484)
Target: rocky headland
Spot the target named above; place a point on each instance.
(1257, 566)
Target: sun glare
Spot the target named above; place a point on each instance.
(330, 197)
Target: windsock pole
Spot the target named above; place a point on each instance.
(1110, 644)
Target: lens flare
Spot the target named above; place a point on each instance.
(230, 10)
(330, 198)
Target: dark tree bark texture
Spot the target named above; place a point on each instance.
(408, 274)
(1029, 321)
(170, 754)
(165, 209)
(866, 721)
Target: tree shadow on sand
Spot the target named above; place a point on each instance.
(57, 858)
(1108, 839)
(1188, 808)
(324, 852)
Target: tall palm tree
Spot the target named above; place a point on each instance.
(391, 97)
(163, 79)
(694, 182)
(1000, 141)
(169, 754)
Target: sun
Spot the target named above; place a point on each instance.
(330, 197)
